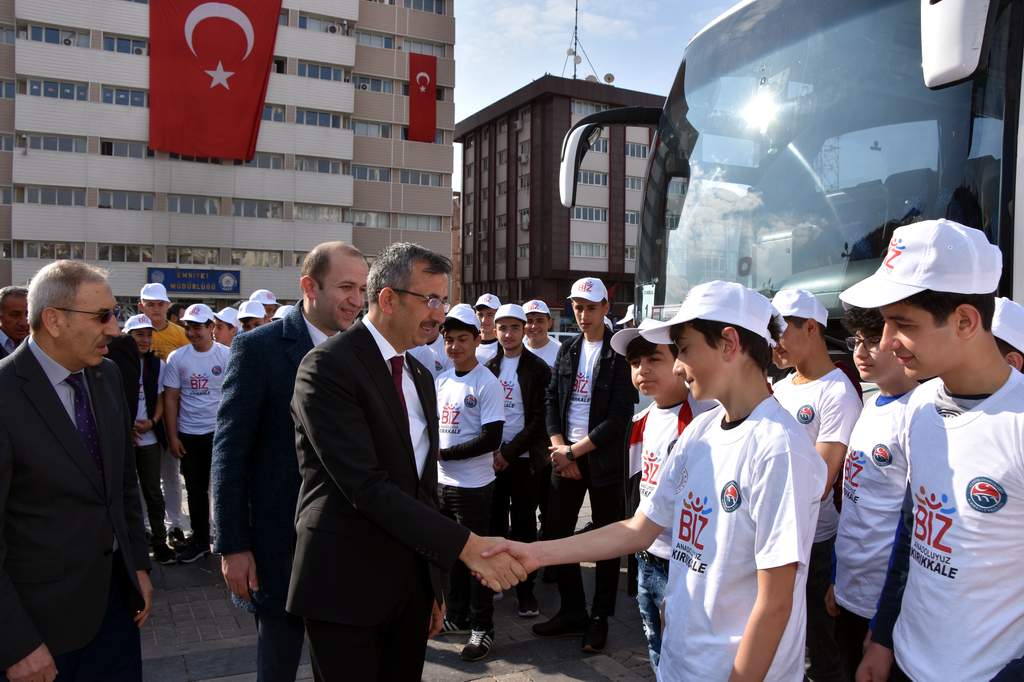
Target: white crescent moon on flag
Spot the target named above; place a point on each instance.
(425, 75)
(220, 10)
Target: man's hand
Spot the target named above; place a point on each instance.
(559, 456)
(830, 602)
(570, 470)
(523, 553)
(500, 463)
(146, 587)
(175, 447)
(876, 664)
(239, 571)
(143, 426)
(498, 572)
(436, 620)
(38, 666)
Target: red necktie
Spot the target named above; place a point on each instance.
(396, 374)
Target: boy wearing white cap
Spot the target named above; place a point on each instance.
(268, 300)
(486, 306)
(1008, 328)
(538, 324)
(953, 601)
(225, 326)
(471, 415)
(821, 398)
(192, 387)
(251, 314)
(740, 495)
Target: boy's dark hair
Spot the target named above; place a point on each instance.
(941, 305)
(867, 321)
(642, 348)
(453, 325)
(176, 310)
(752, 344)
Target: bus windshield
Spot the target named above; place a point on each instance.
(799, 134)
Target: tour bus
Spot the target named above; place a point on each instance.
(800, 133)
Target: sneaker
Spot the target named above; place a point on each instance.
(478, 646)
(192, 551)
(597, 634)
(562, 625)
(528, 607)
(451, 626)
(176, 537)
(164, 555)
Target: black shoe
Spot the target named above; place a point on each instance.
(562, 626)
(192, 551)
(597, 634)
(478, 646)
(164, 555)
(528, 606)
(176, 538)
(454, 627)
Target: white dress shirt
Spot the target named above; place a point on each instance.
(417, 421)
(315, 334)
(7, 343)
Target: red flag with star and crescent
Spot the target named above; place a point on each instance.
(422, 97)
(209, 66)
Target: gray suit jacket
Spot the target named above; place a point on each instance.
(58, 516)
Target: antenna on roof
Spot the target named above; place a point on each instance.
(575, 48)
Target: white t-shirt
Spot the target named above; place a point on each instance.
(486, 350)
(583, 390)
(548, 352)
(512, 394)
(148, 438)
(963, 606)
(199, 377)
(738, 501)
(874, 483)
(464, 404)
(828, 409)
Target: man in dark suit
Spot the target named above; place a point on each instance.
(372, 551)
(255, 471)
(73, 555)
(13, 318)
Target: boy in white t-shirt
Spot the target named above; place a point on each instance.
(824, 402)
(192, 388)
(740, 495)
(874, 482)
(1008, 328)
(470, 412)
(538, 324)
(655, 431)
(486, 307)
(953, 601)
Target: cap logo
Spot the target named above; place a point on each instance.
(985, 495)
(896, 249)
(587, 286)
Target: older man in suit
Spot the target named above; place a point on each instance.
(13, 318)
(255, 471)
(74, 586)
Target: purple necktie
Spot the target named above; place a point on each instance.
(396, 374)
(84, 420)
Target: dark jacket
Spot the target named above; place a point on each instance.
(611, 406)
(255, 475)
(125, 354)
(533, 374)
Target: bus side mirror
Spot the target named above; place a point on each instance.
(574, 148)
(952, 38)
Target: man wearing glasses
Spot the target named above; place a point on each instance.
(74, 584)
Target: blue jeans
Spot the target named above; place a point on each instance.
(652, 578)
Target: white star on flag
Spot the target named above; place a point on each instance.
(220, 76)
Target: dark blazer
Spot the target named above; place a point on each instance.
(533, 374)
(367, 523)
(58, 516)
(124, 353)
(611, 406)
(255, 474)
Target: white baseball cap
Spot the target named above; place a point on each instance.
(464, 314)
(251, 309)
(800, 303)
(589, 288)
(629, 315)
(936, 255)
(228, 316)
(511, 310)
(264, 296)
(487, 301)
(154, 291)
(536, 306)
(137, 322)
(1008, 323)
(282, 311)
(726, 302)
(622, 338)
(608, 322)
(198, 312)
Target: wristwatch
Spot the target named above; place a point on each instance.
(569, 456)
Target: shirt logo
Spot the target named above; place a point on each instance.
(580, 388)
(651, 467)
(805, 415)
(217, 370)
(881, 456)
(852, 467)
(198, 382)
(693, 519)
(985, 495)
(730, 497)
(896, 249)
(450, 418)
(470, 401)
(934, 516)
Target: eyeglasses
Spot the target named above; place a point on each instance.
(870, 343)
(433, 302)
(104, 315)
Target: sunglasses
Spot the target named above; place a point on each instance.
(104, 315)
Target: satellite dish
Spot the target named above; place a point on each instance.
(569, 52)
(591, 78)
(609, 78)
(577, 59)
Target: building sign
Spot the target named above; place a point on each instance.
(193, 281)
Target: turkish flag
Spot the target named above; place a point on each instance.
(422, 97)
(209, 65)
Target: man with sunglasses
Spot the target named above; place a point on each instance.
(192, 390)
(74, 584)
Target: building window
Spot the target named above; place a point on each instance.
(7, 34)
(375, 40)
(192, 255)
(524, 216)
(469, 170)
(438, 135)
(252, 258)
(502, 188)
(368, 219)
(371, 173)
(423, 223)
(584, 108)
(590, 213)
(6, 195)
(193, 159)
(324, 72)
(7, 89)
(264, 160)
(54, 250)
(257, 208)
(370, 129)
(282, 17)
(524, 250)
(588, 249)
(374, 84)
(312, 164)
(125, 45)
(630, 253)
(589, 177)
(125, 253)
(484, 194)
(632, 217)
(6, 143)
(193, 205)
(317, 213)
(423, 47)
(56, 36)
(524, 181)
(126, 201)
(524, 149)
(636, 149)
(123, 148)
(502, 157)
(435, 6)
(273, 112)
(127, 97)
(311, 22)
(600, 145)
(324, 119)
(298, 257)
(50, 143)
(58, 89)
(634, 183)
(412, 177)
(54, 196)
(280, 65)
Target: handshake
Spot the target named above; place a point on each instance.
(499, 563)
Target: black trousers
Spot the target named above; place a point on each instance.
(195, 467)
(278, 646)
(515, 497)
(467, 597)
(822, 647)
(542, 484)
(391, 652)
(606, 506)
(851, 630)
(147, 465)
